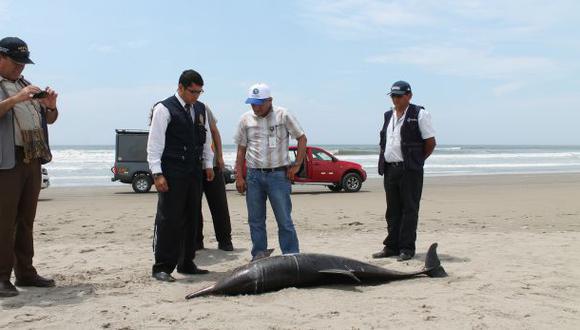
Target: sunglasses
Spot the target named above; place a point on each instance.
(193, 92)
(396, 96)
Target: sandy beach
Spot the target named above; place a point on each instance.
(509, 243)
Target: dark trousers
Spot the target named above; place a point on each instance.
(403, 193)
(178, 213)
(19, 189)
(215, 194)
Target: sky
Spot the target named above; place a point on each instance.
(489, 72)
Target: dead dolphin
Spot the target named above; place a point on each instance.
(305, 269)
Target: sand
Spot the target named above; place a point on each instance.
(510, 244)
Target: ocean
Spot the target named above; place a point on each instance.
(91, 165)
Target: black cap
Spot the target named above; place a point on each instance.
(16, 49)
(400, 88)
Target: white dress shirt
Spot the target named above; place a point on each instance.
(156, 142)
(393, 153)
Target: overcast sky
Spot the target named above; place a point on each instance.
(490, 72)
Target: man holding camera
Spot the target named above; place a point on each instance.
(25, 111)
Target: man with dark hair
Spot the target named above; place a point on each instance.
(406, 140)
(25, 111)
(178, 150)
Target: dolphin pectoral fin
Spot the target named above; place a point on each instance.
(341, 272)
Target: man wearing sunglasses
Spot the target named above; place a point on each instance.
(406, 139)
(178, 151)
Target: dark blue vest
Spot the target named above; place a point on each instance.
(184, 139)
(412, 144)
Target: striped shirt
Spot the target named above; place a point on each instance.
(266, 139)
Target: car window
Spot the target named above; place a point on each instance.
(292, 156)
(132, 147)
(321, 155)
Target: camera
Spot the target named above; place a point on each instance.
(40, 95)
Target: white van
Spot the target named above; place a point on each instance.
(45, 183)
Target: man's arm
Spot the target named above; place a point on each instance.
(430, 144)
(300, 154)
(240, 158)
(25, 94)
(217, 143)
(208, 153)
(49, 104)
(156, 144)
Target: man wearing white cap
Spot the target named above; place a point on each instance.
(262, 137)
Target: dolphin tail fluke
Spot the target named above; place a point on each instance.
(433, 266)
(202, 292)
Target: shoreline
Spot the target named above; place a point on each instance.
(453, 177)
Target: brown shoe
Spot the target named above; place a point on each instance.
(36, 281)
(385, 253)
(7, 289)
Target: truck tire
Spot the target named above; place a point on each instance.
(141, 183)
(335, 187)
(351, 182)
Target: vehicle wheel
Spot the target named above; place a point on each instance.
(335, 187)
(142, 183)
(352, 182)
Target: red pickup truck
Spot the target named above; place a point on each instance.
(321, 167)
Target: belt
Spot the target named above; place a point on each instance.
(396, 164)
(269, 170)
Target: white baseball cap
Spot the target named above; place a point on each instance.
(258, 93)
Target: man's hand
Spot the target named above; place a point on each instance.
(26, 93)
(209, 174)
(161, 184)
(292, 172)
(50, 100)
(241, 184)
(220, 163)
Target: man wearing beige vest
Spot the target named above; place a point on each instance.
(25, 111)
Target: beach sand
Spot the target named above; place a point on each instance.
(510, 244)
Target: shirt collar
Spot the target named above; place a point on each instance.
(181, 101)
(8, 80)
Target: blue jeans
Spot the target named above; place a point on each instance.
(276, 187)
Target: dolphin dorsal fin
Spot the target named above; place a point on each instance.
(341, 272)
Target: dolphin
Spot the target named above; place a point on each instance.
(306, 269)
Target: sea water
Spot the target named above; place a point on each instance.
(91, 165)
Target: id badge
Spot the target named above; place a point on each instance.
(272, 141)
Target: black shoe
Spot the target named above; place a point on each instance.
(405, 255)
(385, 253)
(163, 277)
(192, 270)
(36, 281)
(7, 289)
(226, 246)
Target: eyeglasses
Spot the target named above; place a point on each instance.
(396, 95)
(195, 92)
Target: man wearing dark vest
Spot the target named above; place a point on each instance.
(178, 151)
(406, 139)
(25, 111)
